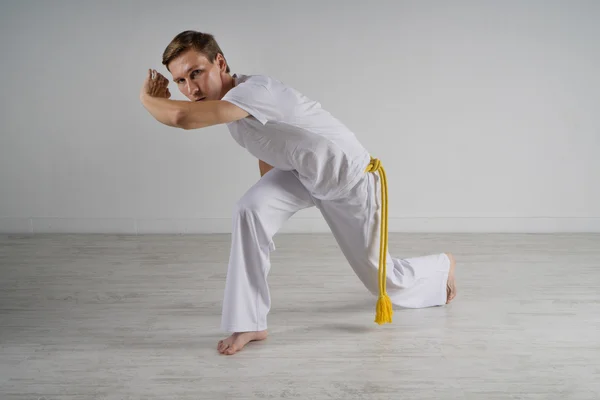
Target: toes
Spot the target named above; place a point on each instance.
(222, 346)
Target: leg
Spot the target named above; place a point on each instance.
(258, 215)
(355, 222)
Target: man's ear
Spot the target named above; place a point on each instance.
(221, 62)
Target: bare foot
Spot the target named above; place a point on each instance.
(451, 285)
(238, 340)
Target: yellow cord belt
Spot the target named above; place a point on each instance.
(384, 304)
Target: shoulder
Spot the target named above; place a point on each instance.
(258, 81)
(258, 95)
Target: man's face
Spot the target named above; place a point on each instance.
(196, 77)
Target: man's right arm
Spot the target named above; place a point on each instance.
(264, 167)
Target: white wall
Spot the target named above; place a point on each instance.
(484, 113)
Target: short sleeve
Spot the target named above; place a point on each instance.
(256, 99)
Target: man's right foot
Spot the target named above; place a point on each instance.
(238, 340)
(451, 285)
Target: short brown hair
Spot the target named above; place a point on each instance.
(204, 43)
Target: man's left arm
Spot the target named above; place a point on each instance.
(184, 114)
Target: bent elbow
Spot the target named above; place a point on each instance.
(180, 119)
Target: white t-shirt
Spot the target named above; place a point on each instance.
(293, 133)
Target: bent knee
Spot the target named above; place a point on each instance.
(249, 204)
(367, 269)
(368, 273)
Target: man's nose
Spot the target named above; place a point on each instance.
(192, 88)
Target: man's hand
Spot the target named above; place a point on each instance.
(156, 85)
(155, 97)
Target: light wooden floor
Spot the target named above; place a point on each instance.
(137, 317)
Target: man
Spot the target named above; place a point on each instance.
(306, 158)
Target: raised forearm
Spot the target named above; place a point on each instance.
(164, 110)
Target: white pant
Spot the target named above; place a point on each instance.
(354, 221)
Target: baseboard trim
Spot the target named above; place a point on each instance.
(296, 225)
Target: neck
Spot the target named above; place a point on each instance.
(228, 84)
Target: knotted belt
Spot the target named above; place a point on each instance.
(384, 304)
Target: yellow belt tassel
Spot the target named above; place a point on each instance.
(384, 304)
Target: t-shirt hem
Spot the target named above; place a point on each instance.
(259, 116)
(360, 171)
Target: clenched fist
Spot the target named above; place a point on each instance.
(156, 85)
